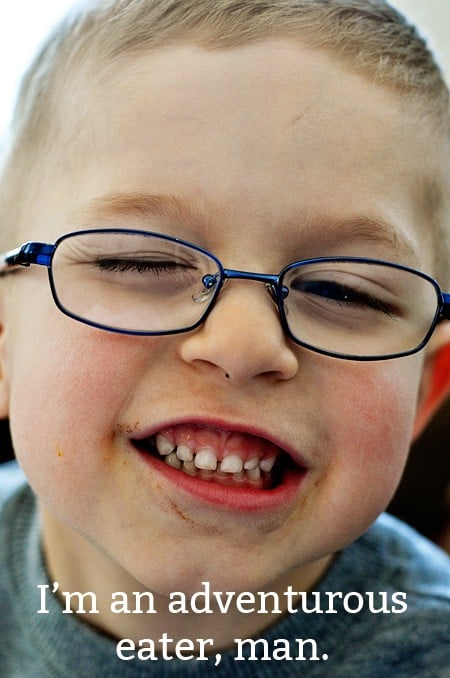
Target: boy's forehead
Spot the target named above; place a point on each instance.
(289, 79)
(299, 86)
(275, 113)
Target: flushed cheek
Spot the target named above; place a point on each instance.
(370, 419)
(64, 422)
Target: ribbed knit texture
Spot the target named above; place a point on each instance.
(390, 557)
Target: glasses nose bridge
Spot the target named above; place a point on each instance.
(270, 281)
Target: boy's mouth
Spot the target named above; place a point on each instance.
(228, 458)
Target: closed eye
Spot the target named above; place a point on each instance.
(139, 266)
(341, 294)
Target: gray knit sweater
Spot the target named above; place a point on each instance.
(411, 640)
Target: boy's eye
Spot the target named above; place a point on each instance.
(341, 294)
(157, 267)
(149, 274)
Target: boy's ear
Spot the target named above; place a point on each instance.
(435, 385)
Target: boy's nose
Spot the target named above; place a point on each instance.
(242, 337)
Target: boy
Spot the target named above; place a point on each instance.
(206, 441)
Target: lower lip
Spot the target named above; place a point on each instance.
(227, 497)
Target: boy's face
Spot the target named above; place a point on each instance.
(281, 154)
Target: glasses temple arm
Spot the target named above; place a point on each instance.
(25, 255)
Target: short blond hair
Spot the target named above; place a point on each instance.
(369, 36)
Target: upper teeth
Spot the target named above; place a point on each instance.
(205, 459)
(164, 445)
(267, 464)
(184, 453)
(231, 464)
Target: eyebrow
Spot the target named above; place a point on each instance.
(377, 232)
(183, 211)
(139, 204)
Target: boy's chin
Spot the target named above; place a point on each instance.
(190, 576)
(234, 570)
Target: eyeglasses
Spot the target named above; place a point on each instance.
(141, 283)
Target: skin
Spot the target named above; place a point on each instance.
(269, 143)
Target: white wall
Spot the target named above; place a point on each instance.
(24, 24)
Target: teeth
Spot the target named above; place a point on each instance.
(164, 445)
(184, 458)
(184, 453)
(250, 464)
(239, 476)
(231, 464)
(254, 473)
(173, 461)
(267, 464)
(206, 459)
(189, 467)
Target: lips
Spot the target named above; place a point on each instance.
(238, 464)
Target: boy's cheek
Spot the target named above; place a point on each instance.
(371, 415)
(62, 425)
(69, 389)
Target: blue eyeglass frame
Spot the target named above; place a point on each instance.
(42, 254)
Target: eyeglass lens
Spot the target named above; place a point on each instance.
(359, 309)
(131, 282)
